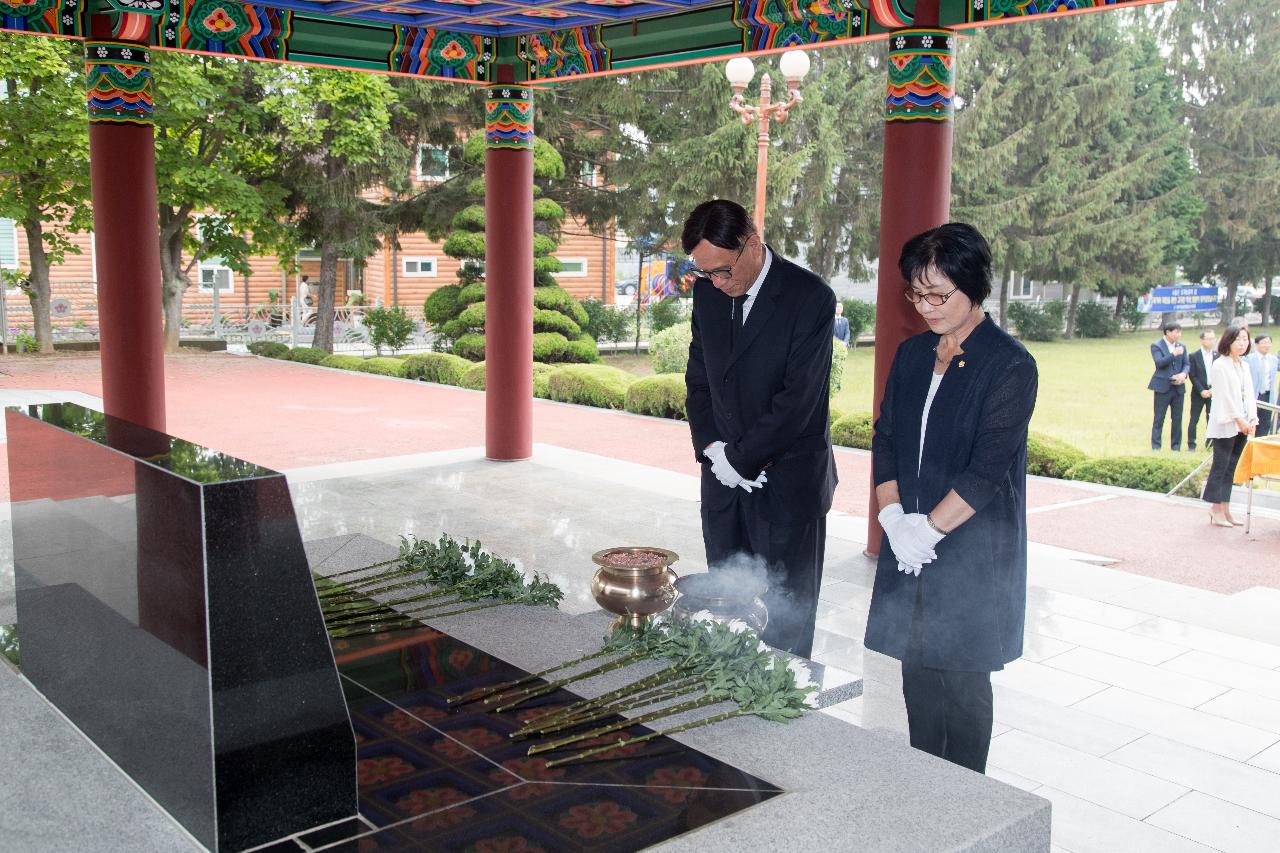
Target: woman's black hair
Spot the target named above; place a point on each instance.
(958, 251)
(1228, 338)
(720, 222)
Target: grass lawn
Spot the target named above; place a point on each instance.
(1093, 393)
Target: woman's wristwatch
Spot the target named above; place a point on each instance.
(936, 529)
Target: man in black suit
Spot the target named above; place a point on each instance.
(1201, 388)
(1169, 385)
(759, 367)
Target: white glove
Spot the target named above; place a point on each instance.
(720, 466)
(757, 483)
(910, 570)
(896, 525)
(917, 535)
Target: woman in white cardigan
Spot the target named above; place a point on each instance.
(1231, 422)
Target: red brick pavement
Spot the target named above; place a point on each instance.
(285, 415)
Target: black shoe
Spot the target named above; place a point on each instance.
(1191, 448)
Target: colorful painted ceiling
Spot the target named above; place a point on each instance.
(546, 39)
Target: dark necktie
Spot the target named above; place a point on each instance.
(735, 328)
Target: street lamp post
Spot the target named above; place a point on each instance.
(739, 71)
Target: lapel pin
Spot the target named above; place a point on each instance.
(962, 362)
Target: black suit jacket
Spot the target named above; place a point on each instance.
(1168, 365)
(767, 396)
(1198, 372)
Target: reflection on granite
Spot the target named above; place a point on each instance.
(440, 777)
(165, 606)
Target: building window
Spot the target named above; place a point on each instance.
(572, 267)
(588, 174)
(422, 267)
(8, 244)
(1022, 288)
(213, 274)
(433, 163)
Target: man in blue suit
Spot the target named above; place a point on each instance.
(1169, 384)
(759, 366)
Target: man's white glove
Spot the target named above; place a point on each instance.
(726, 473)
(898, 527)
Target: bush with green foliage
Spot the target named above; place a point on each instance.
(1149, 473)
(861, 316)
(1038, 322)
(442, 367)
(307, 355)
(604, 322)
(269, 349)
(665, 314)
(662, 396)
(1132, 315)
(474, 377)
(342, 362)
(541, 379)
(546, 320)
(1051, 457)
(388, 327)
(669, 349)
(549, 347)
(581, 351)
(853, 431)
(471, 346)
(26, 343)
(1095, 320)
(383, 366)
(834, 414)
(836, 379)
(441, 305)
(590, 385)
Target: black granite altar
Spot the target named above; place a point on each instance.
(165, 606)
(435, 777)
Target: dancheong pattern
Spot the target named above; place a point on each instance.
(508, 118)
(441, 53)
(118, 82)
(775, 24)
(564, 53)
(921, 79)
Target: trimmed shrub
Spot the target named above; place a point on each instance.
(582, 352)
(383, 366)
(342, 362)
(442, 367)
(474, 377)
(452, 329)
(669, 349)
(662, 396)
(590, 385)
(1095, 320)
(546, 320)
(389, 327)
(464, 244)
(834, 414)
(1149, 473)
(541, 376)
(665, 314)
(307, 355)
(472, 316)
(838, 357)
(442, 305)
(471, 346)
(1051, 457)
(556, 298)
(550, 346)
(269, 349)
(471, 294)
(861, 316)
(1038, 322)
(853, 431)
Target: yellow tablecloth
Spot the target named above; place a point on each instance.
(1261, 458)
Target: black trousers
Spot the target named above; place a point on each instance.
(1265, 416)
(792, 553)
(1170, 401)
(1226, 454)
(1198, 404)
(949, 712)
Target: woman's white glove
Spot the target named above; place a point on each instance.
(912, 547)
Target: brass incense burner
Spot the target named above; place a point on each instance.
(634, 582)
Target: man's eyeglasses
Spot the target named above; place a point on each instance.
(935, 299)
(721, 274)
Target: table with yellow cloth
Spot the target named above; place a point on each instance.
(1261, 458)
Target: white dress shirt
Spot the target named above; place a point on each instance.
(755, 286)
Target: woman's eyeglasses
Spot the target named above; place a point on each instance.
(721, 274)
(935, 299)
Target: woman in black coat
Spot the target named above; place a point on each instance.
(950, 468)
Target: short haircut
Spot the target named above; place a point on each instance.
(1260, 338)
(958, 251)
(1204, 333)
(720, 222)
(1229, 336)
(1171, 326)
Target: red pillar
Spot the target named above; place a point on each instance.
(916, 182)
(508, 248)
(122, 168)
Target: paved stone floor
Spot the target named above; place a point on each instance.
(1146, 707)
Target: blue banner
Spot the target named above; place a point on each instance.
(1186, 297)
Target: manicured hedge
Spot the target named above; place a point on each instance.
(474, 377)
(443, 367)
(383, 366)
(853, 431)
(661, 396)
(590, 385)
(1051, 457)
(1149, 473)
(269, 349)
(471, 347)
(307, 355)
(549, 346)
(583, 352)
(547, 320)
(541, 379)
(342, 362)
(669, 349)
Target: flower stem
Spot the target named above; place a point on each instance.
(604, 705)
(627, 723)
(343, 574)
(683, 727)
(552, 686)
(652, 697)
(482, 692)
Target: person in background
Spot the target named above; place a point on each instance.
(1199, 363)
(949, 461)
(305, 299)
(1262, 370)
(1233, 420)
(840, 329)
(1169, 385)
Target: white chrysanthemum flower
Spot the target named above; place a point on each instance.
(768, 667)
(737, 626)
(761, 647)
(811, 701)
(703, 616)
(801, 674)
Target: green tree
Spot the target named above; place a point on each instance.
(214, 200)
(44, 157)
